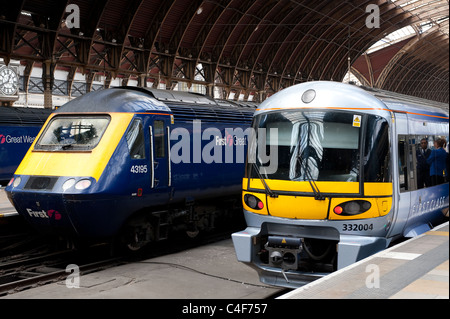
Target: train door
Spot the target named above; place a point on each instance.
(160, 174)
(402, 195)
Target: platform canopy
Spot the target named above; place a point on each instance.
(248, 47)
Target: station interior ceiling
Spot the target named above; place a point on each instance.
(245, 47)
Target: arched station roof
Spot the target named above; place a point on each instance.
(244, 46)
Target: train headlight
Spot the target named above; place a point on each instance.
(353, 207)
(11, 181)
(68, 184)
(308, 96)
(83, 184)
(17, 181)
(253, 202)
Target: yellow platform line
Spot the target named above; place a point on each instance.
(437, 233)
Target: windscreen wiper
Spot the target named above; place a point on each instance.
(269, 192)
(67, 146)
(317, 194)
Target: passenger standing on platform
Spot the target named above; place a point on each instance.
(438, 162)
(423, 169)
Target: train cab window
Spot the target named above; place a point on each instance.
(312, 145)
(65, 133)
(135, 140)
(159, 138)
(376, 150)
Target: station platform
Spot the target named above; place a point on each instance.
(6, 209)
(415, 269)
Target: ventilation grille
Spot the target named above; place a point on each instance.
(211, 114)
(23, 116)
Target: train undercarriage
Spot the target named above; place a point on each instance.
(192, 218)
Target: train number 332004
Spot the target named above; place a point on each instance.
(357, 227)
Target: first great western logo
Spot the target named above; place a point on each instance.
(9, 139)
(51, 213)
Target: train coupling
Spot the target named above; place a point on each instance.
(284, 252)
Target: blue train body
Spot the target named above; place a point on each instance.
(18, 129)
(140, 191)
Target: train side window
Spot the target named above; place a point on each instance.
(439, 161)
(135, 140)
(159, 138)
(402, 162)
(415, 169)
(412, 163)
(423, 147)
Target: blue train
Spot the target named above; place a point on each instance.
(133, 163)
(18, 129)
(347, 174)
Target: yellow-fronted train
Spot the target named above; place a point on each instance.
(336, 173)
(134, 164)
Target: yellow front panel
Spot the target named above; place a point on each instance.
(298, 207)
(303, 186)
(378, 189)
(307, 207)
(384, 205)
(73, 163)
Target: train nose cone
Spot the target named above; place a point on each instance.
(46, 212)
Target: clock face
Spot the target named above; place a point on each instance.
(9, 81)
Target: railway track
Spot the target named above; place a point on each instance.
(42, 264)
(31, 269)
(41, 275)
(28, 259)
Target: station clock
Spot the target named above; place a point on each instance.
(9, 81)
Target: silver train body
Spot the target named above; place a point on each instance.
(344, 181)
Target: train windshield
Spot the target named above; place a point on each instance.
(73, 133)
(320, 146)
